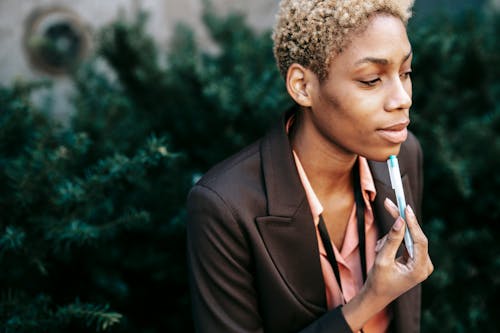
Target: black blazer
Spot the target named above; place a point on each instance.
(252, 249)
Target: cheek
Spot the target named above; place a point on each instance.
(364, 114)
(354, 123)
(351, 115)
(408, 87)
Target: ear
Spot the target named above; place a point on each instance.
(299, 82)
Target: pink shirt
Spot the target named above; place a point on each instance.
(348, 256)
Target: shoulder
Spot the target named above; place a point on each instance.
(233, 172)
(232, 184)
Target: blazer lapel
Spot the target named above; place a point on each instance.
(288, 231)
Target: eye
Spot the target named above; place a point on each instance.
(370, 83)
(406, 75)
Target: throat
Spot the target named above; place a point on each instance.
(337, 216)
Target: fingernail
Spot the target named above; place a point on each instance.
(389, 201)
(398, 224)
(410, 210)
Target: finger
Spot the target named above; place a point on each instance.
(418, 236)
(391, 208)
(413, 225)
(380, 243)
(393, 241)
(394, 211)
(423, 266)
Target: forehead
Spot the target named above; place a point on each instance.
(384, 37)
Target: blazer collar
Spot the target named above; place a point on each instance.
(288, 231)
(283, 186)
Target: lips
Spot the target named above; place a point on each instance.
(396, 133)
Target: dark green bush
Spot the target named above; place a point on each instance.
(92, 222)
(457, 118)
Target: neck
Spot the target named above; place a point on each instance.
(328, 167)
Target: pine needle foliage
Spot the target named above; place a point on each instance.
(235, 92)
(93, 315)
(457, 118)
(68, 215)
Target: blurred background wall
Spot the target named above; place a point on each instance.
(164, 14)
(21, 20)
(89, 15)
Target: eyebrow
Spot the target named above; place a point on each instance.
(380, 61)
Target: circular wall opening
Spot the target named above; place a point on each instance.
(56, 40)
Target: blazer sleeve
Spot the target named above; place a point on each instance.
(223, 293)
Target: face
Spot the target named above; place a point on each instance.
(362, 108)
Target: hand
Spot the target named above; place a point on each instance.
(391, 276)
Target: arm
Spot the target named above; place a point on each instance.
(222, 293)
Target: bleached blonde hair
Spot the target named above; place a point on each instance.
(312, 32)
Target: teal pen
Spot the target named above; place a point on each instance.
(397, 185)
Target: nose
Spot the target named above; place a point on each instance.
(399, 95)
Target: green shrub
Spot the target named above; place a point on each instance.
(457, 118)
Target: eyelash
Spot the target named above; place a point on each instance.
(371, 83)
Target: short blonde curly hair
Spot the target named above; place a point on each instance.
(312, 32)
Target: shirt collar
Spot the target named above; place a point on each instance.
(367, 183)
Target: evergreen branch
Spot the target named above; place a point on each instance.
(129, 219)
(12, 239)
(98, 315)
(80, 233)
(20, 314)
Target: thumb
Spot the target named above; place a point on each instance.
(393, 241)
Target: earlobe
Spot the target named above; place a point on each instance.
(297, 82)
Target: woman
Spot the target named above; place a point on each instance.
(282, 237)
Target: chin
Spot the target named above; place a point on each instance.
(382, 155)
